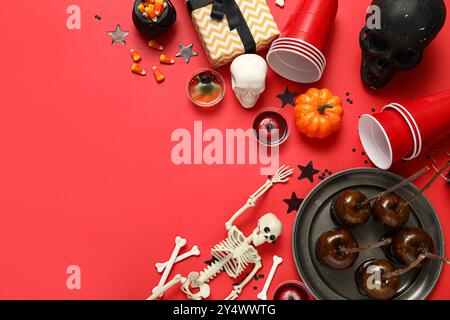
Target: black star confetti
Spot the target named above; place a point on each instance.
(308, 172)
(294, 203)
(186, 52)
(118, 35)
(287, 97)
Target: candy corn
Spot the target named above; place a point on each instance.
(155, 45)
(159, 76)
(159, 6)
(163, 58)
(136, 68)
(136, 56)
(152, 9)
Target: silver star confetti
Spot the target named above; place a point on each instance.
(186, 52)
(118, 35)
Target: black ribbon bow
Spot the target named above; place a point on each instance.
(235, 18)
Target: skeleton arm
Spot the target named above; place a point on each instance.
(238, 288)
(281, 176)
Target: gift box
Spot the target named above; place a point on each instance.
(228, 28)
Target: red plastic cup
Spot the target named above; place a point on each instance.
(312, 22)
(386, 137)
(431, 115)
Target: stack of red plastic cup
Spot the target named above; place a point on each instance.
(299, 54)
(404, 130)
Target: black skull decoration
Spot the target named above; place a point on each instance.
(407, 28)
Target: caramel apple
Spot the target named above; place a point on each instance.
(408, 244)
(332, 249)
(347, 209)
(374, 279)
(391, 211)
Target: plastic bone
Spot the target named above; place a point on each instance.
(280, 3)
(160, 266)
(276, 262)
(235, 253)
(179, 243)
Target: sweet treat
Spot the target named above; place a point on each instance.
(374, 279)
(153, 17)
(270, 127)
(408, 244)
(347, 209)
(332, 249)
(391, 211)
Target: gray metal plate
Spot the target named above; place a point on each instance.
(313, 218)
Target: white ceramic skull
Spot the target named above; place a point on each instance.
(268, 230)
(248, 78)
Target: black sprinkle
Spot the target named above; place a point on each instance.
(366, 162)
(270, 177)
(261, 276)
(428, 156)
(255, 277)
(353, 150)
(255, 288)
(351, 101)
(373, 110)
(363, 153)
(347, 94)
(98, 17)
(330, 173)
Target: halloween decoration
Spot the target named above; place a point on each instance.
(179, 243)
(118, 35)
(206, 88)
(292, 290)
(308, 172)
(270, 127)
(407, 28)
(248, 78)
(152, 19)
(228, 29)
(276, 262)
(160, 266)
(348, 209)
(287, 97)
(318, 113)
(236, 252)
(186, 52)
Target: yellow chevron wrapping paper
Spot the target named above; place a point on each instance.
(222, 45)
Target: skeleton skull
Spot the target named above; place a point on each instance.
(407, 28)
(268, 230)
(248, 78)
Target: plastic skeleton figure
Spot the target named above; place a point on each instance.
(236, 252)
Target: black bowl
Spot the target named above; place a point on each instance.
(150, 29)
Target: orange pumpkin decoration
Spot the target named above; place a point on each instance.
(318, 113)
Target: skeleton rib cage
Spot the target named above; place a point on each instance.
(232, 255)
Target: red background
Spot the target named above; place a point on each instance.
(86, 174)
